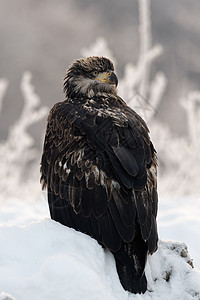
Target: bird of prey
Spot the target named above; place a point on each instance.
(99, 167)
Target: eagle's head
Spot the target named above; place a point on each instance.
(88, 76)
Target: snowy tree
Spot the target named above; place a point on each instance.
(17, 152)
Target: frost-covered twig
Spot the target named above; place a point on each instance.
(191, 105)
(136, 79)
(3, 88)
(17, 152)
(30, 113)
(145, 44)
(156, 92)
(186, 153)
(179, 157)
(19, 142)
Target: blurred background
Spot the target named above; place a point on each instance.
(44, 37)
(155, 46)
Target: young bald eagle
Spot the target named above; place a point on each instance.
(99, 167)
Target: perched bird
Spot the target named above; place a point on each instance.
(99, 167)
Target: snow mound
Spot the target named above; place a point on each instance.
(45, 260)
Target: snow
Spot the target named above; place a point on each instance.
(179, 220)
(46, 260)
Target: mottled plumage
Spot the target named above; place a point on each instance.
(99, 167)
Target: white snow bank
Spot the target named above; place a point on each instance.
(45, 260)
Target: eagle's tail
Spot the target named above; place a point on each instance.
(130, 263)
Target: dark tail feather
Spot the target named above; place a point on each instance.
(129, 280)
(130, 263)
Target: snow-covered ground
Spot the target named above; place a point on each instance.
(178, 219)
(41, 259)
(45, 260)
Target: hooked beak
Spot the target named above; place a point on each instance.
(107, 77)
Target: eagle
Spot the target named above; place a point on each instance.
(100, 169)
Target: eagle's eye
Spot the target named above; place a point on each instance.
(95, 73)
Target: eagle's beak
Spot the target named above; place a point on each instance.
(107, 77)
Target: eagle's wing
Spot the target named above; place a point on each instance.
(101, 174)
